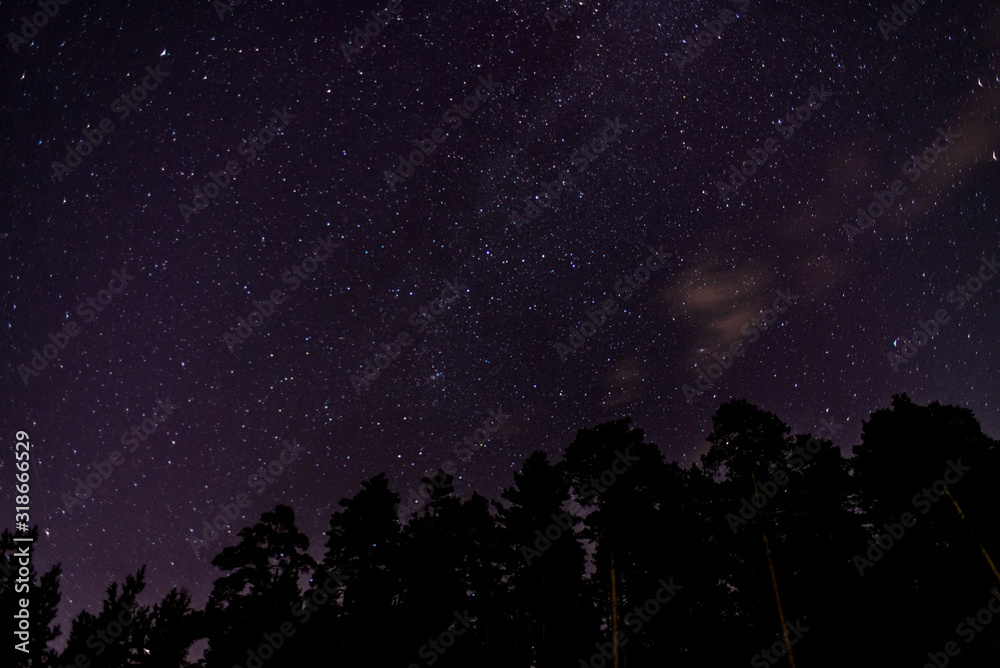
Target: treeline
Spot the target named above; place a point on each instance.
(610, 556)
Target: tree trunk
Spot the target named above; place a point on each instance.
(986, 555)
(774, 579)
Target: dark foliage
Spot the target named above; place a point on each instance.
(691, 567)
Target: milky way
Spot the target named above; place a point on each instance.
(349, 237)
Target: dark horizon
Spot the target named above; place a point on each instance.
(613, 492)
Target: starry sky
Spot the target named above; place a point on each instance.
(594, 100)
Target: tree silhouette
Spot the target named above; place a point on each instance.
(608, 556)
(615, 475)
(364, 545)
(544, 563)
(937, 567)
(113, 638)
(172, 629)
(263, 581)
(750, 448)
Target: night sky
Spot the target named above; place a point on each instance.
(590, 117)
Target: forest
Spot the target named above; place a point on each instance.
(774, 549)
